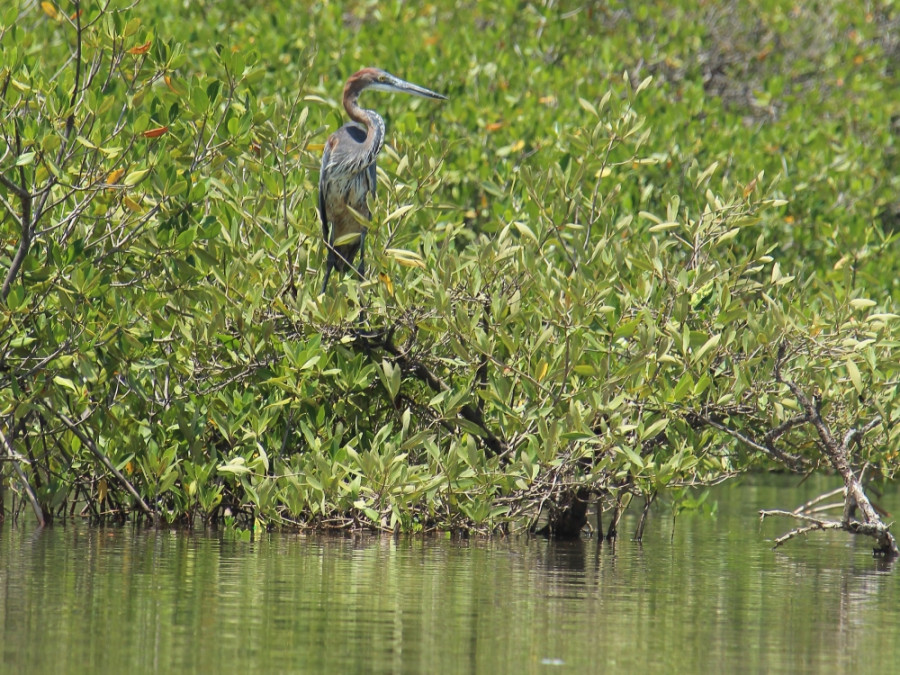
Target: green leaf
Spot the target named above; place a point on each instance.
(854, 374)
(862, 303)
(685, 385)
(709, 344)
(135, 177)
(65, 382)
(655, 428)
(237, 466)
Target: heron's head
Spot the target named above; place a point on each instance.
(381, 80)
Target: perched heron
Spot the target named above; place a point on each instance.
(348, 169)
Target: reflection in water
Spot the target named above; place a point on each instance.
(710, 595)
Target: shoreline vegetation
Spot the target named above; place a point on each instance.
(639, 251)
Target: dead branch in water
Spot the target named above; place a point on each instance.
(838, 454)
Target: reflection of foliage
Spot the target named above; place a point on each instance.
(583, 281)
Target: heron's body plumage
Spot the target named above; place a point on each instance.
(345, 182)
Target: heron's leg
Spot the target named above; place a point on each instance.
(330, 261)
(362, 254)
(328, 267)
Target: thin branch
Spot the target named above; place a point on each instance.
(770, 450)
(764, 513)
(824, 525)
(815, 500)
(855, 434)
(27, 228)
(108, 464)
(17, 460)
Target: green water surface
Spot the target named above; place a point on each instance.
(706, 594)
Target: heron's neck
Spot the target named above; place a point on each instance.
(373, 122)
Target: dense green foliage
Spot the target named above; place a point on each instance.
(582, 266)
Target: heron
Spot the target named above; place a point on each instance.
(348, 169)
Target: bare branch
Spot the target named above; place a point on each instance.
(855, 434)
(824, 525)
(792, 461)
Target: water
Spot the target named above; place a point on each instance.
(708, 596)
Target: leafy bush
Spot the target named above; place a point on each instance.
(605, 268)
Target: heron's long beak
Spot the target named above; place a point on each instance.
(395, 84)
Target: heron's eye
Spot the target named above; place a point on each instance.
(382, 78)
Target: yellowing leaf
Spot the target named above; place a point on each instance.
(542, 371)
(388, 284)
(141, 49)
(587, 105)
(50, 10)
(114, 176)
(405, 258)
(650, 216)
(132, 205)
(171, 86)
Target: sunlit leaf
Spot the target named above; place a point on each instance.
(405, 258)
(348, 238)
(855, 376)
(135, 177)
(65, 382)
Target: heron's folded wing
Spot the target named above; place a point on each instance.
(323, 187)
